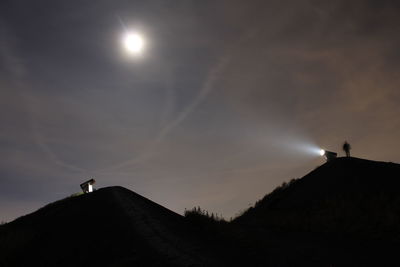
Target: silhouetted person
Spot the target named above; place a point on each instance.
(346, 148)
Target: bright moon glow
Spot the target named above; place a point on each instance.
(322, 152)
(133, 43)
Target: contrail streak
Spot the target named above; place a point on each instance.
(17, 69)
(206, 89)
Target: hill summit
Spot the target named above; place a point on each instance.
(344, 196)
(112, 226)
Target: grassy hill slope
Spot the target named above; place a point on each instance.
(109, 227)
(344, 196)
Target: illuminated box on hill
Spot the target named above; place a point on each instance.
(87, 186)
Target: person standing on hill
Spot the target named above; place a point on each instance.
(346, 148)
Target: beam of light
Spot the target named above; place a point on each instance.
(300, 146)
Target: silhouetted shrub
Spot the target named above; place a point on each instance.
(198, 215)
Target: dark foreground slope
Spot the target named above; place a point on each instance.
(109, 227)
(347, 195)
(344, 213)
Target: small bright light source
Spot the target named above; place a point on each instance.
(133, 43)
(329, 155)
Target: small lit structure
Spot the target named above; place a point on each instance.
(87, 186)
(329, 155)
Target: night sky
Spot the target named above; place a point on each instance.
(227, 100)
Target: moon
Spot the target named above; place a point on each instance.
(133, 43)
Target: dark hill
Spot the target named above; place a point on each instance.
(344, 213)
(109, 227)
(346, 195)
